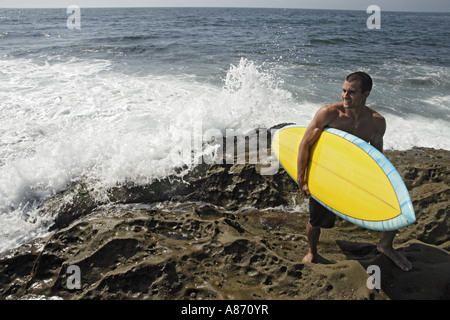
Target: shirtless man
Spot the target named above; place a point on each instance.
(353, 116)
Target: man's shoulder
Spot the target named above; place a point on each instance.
(378, 120)
(375, 114)
(333, 108)
(325, 115)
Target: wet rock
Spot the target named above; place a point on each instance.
(228, 232)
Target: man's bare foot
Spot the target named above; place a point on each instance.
(315, 258)
(309, 258)
(399, 259)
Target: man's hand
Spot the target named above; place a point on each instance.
(305, 190)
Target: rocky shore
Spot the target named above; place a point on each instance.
(228, 232)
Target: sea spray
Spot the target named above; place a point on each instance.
(92, 124)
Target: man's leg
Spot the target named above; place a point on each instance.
(385, 246)
(319, 217)
(312, 234)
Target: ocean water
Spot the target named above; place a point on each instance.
(122, 97)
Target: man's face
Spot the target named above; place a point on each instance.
(352, 95)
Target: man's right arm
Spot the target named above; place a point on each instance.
(323, 117)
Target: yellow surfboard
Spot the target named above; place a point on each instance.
(350, 177)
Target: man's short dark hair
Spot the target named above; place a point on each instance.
(364, 79)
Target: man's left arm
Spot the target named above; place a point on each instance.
(380, 129)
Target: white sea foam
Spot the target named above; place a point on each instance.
(416, 131)
(65, 121)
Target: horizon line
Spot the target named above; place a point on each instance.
(219, 7)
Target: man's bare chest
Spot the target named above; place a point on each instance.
(363, 128)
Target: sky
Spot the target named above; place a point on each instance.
(387, 5)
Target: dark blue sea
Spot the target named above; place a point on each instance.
(122, 96)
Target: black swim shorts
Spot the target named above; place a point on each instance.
(319, 216)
